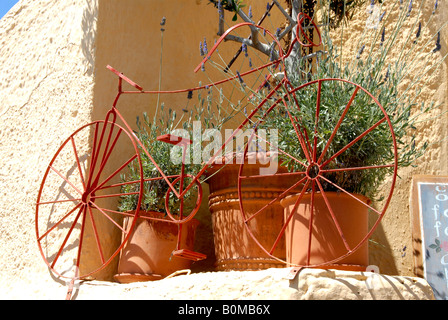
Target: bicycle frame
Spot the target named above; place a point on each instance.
(284, 82)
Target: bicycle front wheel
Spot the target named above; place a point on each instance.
(78, 225)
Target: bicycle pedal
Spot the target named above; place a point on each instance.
(189, 255)
(172, 139)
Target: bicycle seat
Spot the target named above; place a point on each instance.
(175, 140)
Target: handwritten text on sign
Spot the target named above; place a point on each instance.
(434, 222)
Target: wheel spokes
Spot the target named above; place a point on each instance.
(302, 142)
(66, 180)
(59, 222)
(310, 222)
(78, 163)
(354, 141)
(316, 125)
(351, 195)
(72, 187)
(82, 209)
(280, 150)
(287, 221)
(106, 155)
(278, 198)
(114, 174)
(333, 216)
(95, 232)
(336, 128)
(108, 217)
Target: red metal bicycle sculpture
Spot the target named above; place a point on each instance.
(90, 176)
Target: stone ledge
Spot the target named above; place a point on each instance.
(270, 284)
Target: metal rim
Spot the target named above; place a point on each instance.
(313, 171)
(300, 18)
(84, 190)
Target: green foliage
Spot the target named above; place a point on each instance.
(155, 191)
(383, 73)
(167, 156)
(229, 5)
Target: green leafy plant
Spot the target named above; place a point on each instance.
(378, 69)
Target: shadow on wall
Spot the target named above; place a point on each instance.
(89, 21)
(380, 252)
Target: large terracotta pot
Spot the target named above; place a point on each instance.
(146, 255)
(326, 241)
(235, 249)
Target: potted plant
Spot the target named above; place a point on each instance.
(147, 255)
(351, 134)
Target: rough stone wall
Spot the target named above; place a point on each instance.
(46, 85)
(270, 284)
(391, 248)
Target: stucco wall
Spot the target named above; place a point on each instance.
(46, 84)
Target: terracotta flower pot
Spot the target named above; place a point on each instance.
(146, 255)
(326, 241)
(235, 249)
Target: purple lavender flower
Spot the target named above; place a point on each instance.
(271, 55)
(387, 74)
(250, 12)
(435, 6)
(382, 15)
(277, 33)
(200, 49)
(438, 46)
(409, 8)
(205, 46)
(360, 51)
(239, 77)
(268, 8)
(382, 36)
(190, 94)
(419, 30)
(250, 63)
(244, 49)
(162, 23)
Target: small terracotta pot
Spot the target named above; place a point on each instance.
(326, 242)
(146, 256)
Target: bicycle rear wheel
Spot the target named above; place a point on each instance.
(77, 221)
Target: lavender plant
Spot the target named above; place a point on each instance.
(395, 79)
